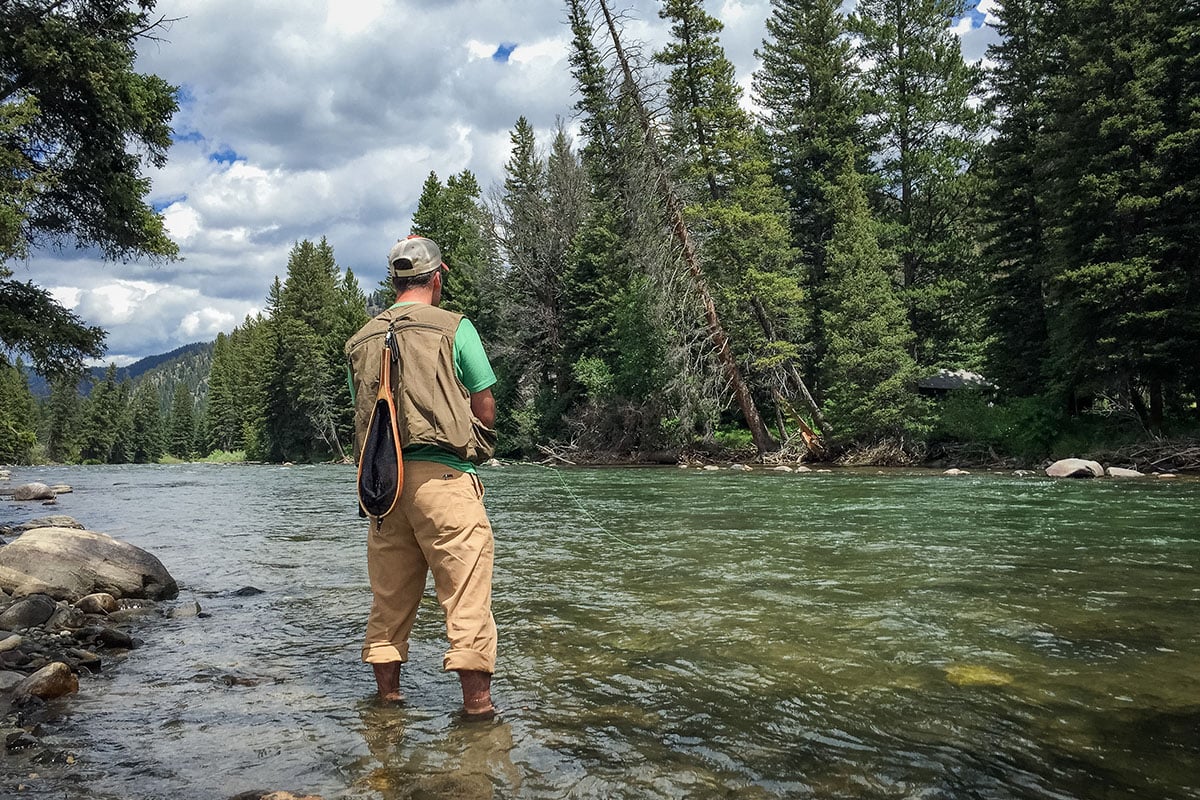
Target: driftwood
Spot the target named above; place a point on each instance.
(1158, 456)
(554, 455)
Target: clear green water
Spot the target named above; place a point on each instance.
(664, 634)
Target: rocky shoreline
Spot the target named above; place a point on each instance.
(71, 601)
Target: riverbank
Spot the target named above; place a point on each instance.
(1152, 457)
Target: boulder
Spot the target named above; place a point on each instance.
(1075, 468)
(51, 681)
(28, 612)
(956, 471)
(61, 488)
(98, 603)
(68, 564)
(10, 642)
(1121, 472)
(803, 468)
(782, 468)
(10, 680)
(33, 491)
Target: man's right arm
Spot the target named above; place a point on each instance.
(483, 406)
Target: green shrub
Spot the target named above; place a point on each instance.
(225, 457)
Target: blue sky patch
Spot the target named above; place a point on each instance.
(187, 136)
(976, 16)
(503, 52)
(162, 205)
(225, 155)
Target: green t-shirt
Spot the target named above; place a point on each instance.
(475, 371)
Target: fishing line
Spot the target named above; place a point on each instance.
(582, 508)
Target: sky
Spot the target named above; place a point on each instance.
(302, 119)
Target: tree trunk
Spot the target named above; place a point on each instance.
(758, 430)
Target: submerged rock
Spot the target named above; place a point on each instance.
(975, 675)
(68, 564)
(1075, 468)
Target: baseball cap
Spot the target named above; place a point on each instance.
(415, 255)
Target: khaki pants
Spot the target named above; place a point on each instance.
(439, 525)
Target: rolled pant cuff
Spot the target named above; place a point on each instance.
(468, 660)
(384, 653)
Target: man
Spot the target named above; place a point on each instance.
(445, 413)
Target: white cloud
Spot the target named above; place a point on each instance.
(309, 118)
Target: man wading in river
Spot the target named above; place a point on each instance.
(444, 413)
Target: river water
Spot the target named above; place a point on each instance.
(664, 634)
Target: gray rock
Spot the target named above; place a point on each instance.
(11, 642)
(803, 468)
(52, 521)
(10, 680)
(28, 612)
(956, 471)
(184, 611)
(1121, 472)
(69, 564)
(51, 681)
(65, 617)
(61, 488)
(33, 491)
(1075, 468)
(782, 468)
(247, 591)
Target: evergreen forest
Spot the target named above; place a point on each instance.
(897, 256)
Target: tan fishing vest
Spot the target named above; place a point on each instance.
(433, 407)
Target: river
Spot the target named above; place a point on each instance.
(664, 634)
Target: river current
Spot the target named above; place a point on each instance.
(664, 634)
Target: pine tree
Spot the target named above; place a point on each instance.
(538, 216)
(1123, 317)
(1013, 200)
(62, 415)
(146, 416)
(101, 415)
(124, 444)
(925, 132)
(868, 374)
(225, 413)
(181, 428)
(18, 415)
(807, 87)
(453, 216)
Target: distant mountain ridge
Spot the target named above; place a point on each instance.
(189, 364)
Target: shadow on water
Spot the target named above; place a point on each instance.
(664, 634)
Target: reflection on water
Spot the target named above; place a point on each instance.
(682, 634)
